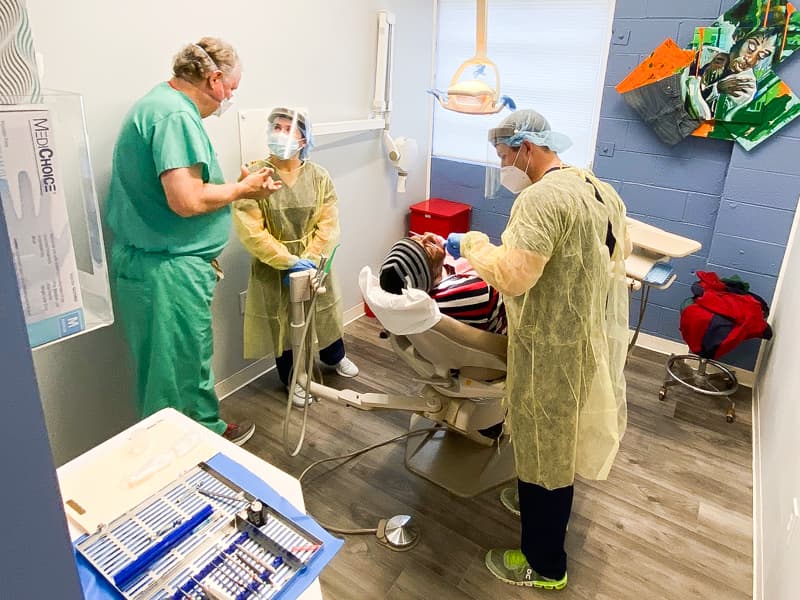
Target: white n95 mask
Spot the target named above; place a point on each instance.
(282, 144)
(514, 179)
(223, 106)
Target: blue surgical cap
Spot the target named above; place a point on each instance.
(527, 124)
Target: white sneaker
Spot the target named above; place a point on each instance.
(346, 368)
(299, 396)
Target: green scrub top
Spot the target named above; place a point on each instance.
(163, 131)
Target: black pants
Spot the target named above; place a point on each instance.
(544, 515)
(330, 356)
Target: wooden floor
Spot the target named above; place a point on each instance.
(674, 520)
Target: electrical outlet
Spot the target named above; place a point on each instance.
(606, 148)
(621, 37)
(242, 301)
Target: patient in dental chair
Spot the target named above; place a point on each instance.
(419, 262)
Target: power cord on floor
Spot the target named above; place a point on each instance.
(382, 524)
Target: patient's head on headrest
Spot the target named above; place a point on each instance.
(406, 265)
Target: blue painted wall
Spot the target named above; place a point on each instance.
(738, 204)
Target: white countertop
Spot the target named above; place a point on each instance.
(283, 483)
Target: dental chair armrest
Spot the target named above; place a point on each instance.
(472, 337)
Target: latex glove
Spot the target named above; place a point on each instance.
(453, 245)
(301, 265)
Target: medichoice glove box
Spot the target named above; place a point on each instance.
(439, 216)
(36, 217)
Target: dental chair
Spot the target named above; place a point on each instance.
(462, 370)
(465, 368)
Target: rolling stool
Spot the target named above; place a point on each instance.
(701, 375)
(720, 315)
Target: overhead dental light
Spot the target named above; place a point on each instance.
(475, 96)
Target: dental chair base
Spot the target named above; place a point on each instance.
(457, 458)
(456, 462)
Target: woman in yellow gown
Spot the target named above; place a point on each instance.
(285, 233)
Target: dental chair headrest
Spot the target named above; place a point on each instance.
(410, 311)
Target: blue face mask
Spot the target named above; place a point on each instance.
(281, 145)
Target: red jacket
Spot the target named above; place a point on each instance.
(722, 316)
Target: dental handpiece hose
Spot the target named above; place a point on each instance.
(303, 290)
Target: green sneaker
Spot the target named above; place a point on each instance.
(509, 498)
(511, 566)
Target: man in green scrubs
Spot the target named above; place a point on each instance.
(168, 208)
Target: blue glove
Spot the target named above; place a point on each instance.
(301, 265)
(453, 245)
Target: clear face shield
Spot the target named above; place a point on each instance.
(287, 133)
(493, 181)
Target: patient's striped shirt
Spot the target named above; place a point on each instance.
(471, 300)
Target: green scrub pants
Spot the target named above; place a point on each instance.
(164, 302)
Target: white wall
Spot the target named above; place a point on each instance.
(317, 53)
(777, 451)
